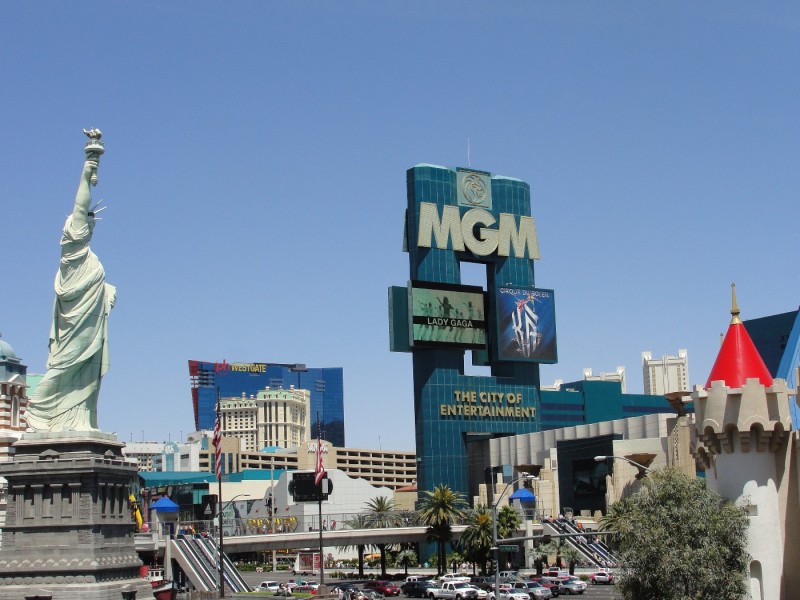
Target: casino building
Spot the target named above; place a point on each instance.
(456, 216)
(234, 380)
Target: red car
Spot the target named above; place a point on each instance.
(383, 587)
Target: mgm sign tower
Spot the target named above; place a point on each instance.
(458, 216)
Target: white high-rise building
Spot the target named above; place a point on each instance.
(273, 417)
(618, 375)
(666, 374)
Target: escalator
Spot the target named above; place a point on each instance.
(200, 573)
(198, 558)
(593, 551)
(233, 579)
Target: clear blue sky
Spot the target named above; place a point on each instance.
(255, 176)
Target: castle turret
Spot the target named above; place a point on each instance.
(743, 428)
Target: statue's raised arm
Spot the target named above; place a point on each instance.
(66, 398)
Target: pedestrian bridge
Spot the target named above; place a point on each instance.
(263, 542)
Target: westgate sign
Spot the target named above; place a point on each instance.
(460, 230)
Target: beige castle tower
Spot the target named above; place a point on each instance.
(746, 441)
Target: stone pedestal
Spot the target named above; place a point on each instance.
(69, 531)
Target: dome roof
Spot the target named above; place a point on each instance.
(738, 360)
(6, 351)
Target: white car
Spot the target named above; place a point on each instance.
(482, 594)
(268, 586)
(454, 578)
(510, 595)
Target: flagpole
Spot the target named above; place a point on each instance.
(218, 467)
(319, 469)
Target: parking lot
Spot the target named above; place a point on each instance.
(599, 592)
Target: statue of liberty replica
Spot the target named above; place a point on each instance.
(69, 531)
(66, 398)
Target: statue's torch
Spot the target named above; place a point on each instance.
(94, 146)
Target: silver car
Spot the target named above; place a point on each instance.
(573, 585)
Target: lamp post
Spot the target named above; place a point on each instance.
(495, 547)
(222, 541)
(642, 469)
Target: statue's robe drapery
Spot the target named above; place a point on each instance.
(66, 398)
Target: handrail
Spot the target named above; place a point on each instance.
(205, 580)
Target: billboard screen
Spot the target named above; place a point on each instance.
(526, 325)
(447, 315)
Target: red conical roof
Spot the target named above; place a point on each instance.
(738, 360)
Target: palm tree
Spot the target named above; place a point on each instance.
(549, 549)
(438, 510)
(476, 540)
(381, 514)
(571, 555)
(406, 557)
(358, 522)
(539, 554)
(616, 519)
(508, 521)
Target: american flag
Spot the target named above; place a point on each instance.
(218, 445)
(319, 470)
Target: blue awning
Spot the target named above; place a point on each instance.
(164, 505)
(523, 495)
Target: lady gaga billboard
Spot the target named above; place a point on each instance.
(447, 315)
(526, 325)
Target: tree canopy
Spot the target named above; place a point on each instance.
(439, 509)
(476, 541)
(679, 541)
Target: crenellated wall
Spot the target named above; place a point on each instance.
(744, 437)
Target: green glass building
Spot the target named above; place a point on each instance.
(457, 216)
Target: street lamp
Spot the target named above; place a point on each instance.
(495, 547)
(222, 541)
(642, 469)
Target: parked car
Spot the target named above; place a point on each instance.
(416, 589)
(534, 589)
(382, 586)
(572, 585)
(451, 577)
(268, 586)
(510, 594)
(605, 577)
(553, 586)
(307, 587)
(346, 588)
(482, 593)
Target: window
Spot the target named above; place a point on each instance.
(15, 411)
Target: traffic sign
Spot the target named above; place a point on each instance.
(507, 548)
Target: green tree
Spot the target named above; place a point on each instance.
(381, 514)
(539, 554)
(439, 509)
(552, 548)
(613, 521)
(405, 558)
(570, 554)
(680, 541)
(358, 522)
(508, 521)
(476, 541)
